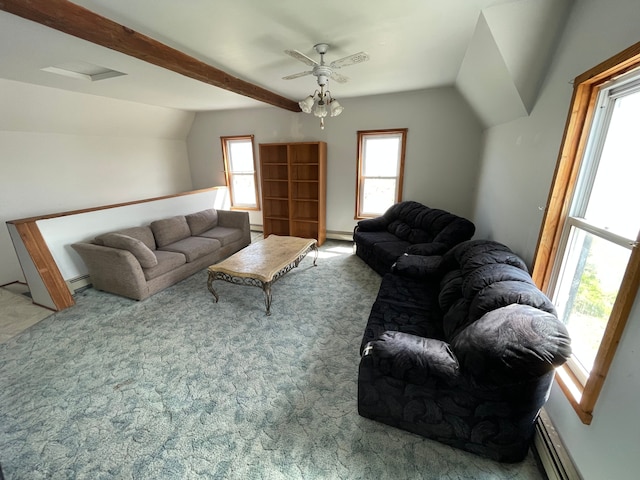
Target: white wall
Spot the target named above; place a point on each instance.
(517, 168)
(442, 147)
(63, 151)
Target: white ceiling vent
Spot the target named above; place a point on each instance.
(83, 71)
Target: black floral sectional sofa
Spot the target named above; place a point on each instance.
(461, 348)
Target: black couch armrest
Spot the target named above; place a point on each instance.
(411, 358)
(373, 224)
(457, 231)
(417, 266)
(432, 248)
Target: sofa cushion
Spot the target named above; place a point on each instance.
(509, 343)
(404, 305)
(456, 319)
(224, 235)
(170, 230)
(143, 254)
(369, 239)
(389, 252)
(400, 229)
(417, 266)
(395, 317)
(144, 234)
(202, 221)
(193, 248)
(167, 261)
(450, 289)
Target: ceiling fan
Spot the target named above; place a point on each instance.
(321, 70)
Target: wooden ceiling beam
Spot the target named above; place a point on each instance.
(75, 20)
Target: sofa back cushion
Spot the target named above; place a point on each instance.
(489, 274)
(139, 250)
(202, 221)
(481, 276)
(170, 230)
(417, 223)
(144, 234)
(501, 294)
(512, 343)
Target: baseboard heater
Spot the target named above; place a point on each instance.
(78, 283)
(555, 459)
(333, 235)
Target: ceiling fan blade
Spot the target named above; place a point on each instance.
(339, 78)
(297, 75)
(301, 57)
(350, 60)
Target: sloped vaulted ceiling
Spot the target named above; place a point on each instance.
(495, 51)
(508, 57)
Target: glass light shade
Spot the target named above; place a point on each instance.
(320, 110)
(306, 104)
(335, 107)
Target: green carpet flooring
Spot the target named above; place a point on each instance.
(179, 387)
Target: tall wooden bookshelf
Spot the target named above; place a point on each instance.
(294, 185)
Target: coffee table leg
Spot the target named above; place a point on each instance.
(315, 250)
(266, 288)
(210, 286)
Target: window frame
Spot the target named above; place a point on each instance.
(583, 395)
(360, 178)
(228, 173)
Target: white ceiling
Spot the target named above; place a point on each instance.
(412, 44)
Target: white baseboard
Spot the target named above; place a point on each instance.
(554, 457)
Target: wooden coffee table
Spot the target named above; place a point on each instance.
(262, 263)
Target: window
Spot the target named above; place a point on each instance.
(587, 258)
(240, 171)
(380, 170)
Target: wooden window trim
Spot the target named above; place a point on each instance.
(359, 178)
(227, 171)
(586, 88)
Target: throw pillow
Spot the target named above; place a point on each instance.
(139, 250)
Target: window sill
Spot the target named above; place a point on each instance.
(574, 391)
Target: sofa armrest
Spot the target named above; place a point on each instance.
(373, 224)
(426, 249)
(113, 270)
(233, 219)
(456, 232)
(417, 266)
(411, 358)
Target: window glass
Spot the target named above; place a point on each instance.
(613, 203)
(588, 286)
(239, 165)
(380, 170)
(241, 156)
(381, 156)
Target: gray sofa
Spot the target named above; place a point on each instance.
(140, 261)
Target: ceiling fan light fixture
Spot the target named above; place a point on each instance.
(325, 105)
(335, 108)
(307, 104)
(321, 109)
